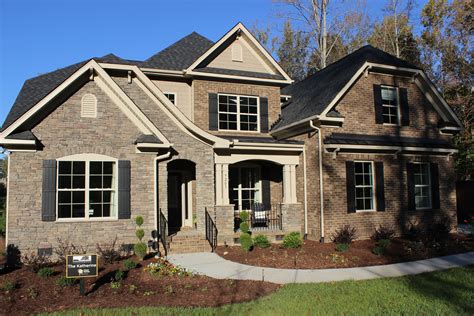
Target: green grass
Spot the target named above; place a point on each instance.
(449, 292)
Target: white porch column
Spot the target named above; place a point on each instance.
(218, 184)
(222, 184)
(225, 184)
(289, 184)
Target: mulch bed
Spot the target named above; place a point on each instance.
(35, 294)
(314, 255)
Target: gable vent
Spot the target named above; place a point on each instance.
(237, 52)
(89, 106)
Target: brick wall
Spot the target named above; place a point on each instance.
(357, 106)
(202, 88)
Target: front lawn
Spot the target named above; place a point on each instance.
(447, 292)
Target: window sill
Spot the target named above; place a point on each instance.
(84, 220)
(365, 211)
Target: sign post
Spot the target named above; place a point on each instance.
(81, 266)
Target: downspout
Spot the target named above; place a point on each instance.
(305, 196)
(321, 183)
(7, 200)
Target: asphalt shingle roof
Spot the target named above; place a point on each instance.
(152, 139)
(181, 54)
(312, 95)
(233, 72)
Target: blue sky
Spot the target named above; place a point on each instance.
(40, 36)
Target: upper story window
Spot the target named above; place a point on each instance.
(364, 185)
(171, 96)
(422, 183)
(238, 113)
(390, 105)
(86, 189)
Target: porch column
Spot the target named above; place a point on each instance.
(289, 184)
(222, 184)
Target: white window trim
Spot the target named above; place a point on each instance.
(374, 195)
(399, 115)
(430, 198)
(175, 97)
(87, 158)
(258, 185)
(238, 96)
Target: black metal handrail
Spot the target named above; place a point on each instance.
(261, 217)
(211, 231)
(163, 231)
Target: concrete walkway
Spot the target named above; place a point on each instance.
(212, 265)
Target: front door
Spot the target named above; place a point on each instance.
(174, 202)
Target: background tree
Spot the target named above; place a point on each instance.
(293, 51)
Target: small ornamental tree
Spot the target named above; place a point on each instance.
(140, 247)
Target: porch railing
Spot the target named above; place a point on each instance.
(211, 231)
(163, 231)
(261, 217)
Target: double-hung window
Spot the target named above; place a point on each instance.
(422, 183)
(390, 105)
(238, 113)
(364, 185)
(86, 189)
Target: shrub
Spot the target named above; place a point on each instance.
(3, 224)
(261, 241)
(65, 248)
(344, 235)
(119, 275)
(342, 247)
(292, 240)
(35, 262)
(63, 281)
(244, 216)
(244, 227)
(439, 231)
(129, 264)
(383, 232)
(414, 231)
(246, 242)
(140, 233)
(139, 221)
(110, 252)
(381, 246)
(140, 249)
(9, 286)
(45, 272)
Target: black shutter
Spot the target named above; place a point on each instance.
(434, 177)
(350, 187)
(378, 104)
(411, 186)
(379, 186)
(266, 193)
(48, 197)
(213, 113)
(404, 110)
(124, 206)
(264, 115)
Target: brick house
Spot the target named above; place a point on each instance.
(202, 131)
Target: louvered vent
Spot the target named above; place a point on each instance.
(89, 106)
(237, 52)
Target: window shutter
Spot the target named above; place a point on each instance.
(404, 110)
(124, 205)
(213, 114)
(264, 115)
(350, 187)
(411, 187)
(378, 104)
(266, 191)
(379, 186)
(434, 174)
(48, 198)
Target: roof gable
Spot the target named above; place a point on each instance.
(219, 56)
(317, 94)
(179, 55)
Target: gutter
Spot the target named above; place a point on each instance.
(321, 182)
